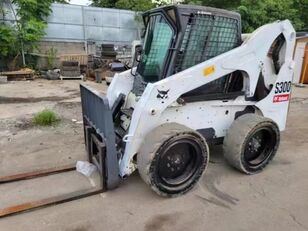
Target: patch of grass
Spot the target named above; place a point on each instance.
(45, 118)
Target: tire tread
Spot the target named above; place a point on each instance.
(237, 135)
(152, 143)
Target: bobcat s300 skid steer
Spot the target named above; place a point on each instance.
(199, 81)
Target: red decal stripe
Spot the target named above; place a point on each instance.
(281, 98)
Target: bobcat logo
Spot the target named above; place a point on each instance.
(162, 94)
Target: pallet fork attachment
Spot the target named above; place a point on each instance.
(28, 206)
(35, 174)
(100, 148)
(100, 135)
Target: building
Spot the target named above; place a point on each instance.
(301, 59)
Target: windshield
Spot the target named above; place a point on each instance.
(156, 44)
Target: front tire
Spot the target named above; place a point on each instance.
(251, 143)
(172, 159)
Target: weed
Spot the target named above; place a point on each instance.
(45, 118)
(51, 57)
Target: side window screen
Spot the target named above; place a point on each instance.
(225, 87)
(206, 36)
(215, 87)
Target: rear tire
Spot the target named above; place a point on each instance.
(172, 159)
(251, 143)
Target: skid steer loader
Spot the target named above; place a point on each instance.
(199, 82)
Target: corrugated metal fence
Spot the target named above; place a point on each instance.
(82, 23)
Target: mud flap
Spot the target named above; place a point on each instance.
(99, 136)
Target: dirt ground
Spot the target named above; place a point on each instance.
(276, 199)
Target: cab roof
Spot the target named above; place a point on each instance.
(191, 9)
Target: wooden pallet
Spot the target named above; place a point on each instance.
(19, 75)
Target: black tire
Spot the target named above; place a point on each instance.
(172, 159)
(251, 143)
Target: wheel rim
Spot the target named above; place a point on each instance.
(179, 161)
(259, 147)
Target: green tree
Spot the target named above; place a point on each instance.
(7, 40)
(31, 22)
(30, 16)
(7, 34)
(32, 9)
(256, 13)
(302, 6)
(136, 5)
(63, 1)
(215, 3)
(104, 3)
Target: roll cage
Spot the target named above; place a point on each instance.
(185, 22)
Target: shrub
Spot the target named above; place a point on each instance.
(45, 118)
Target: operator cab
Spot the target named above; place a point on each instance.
(178, 37)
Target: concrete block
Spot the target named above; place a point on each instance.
(3, 79)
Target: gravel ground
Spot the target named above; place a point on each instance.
(225, 199)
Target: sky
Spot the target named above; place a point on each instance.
(81, 2)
